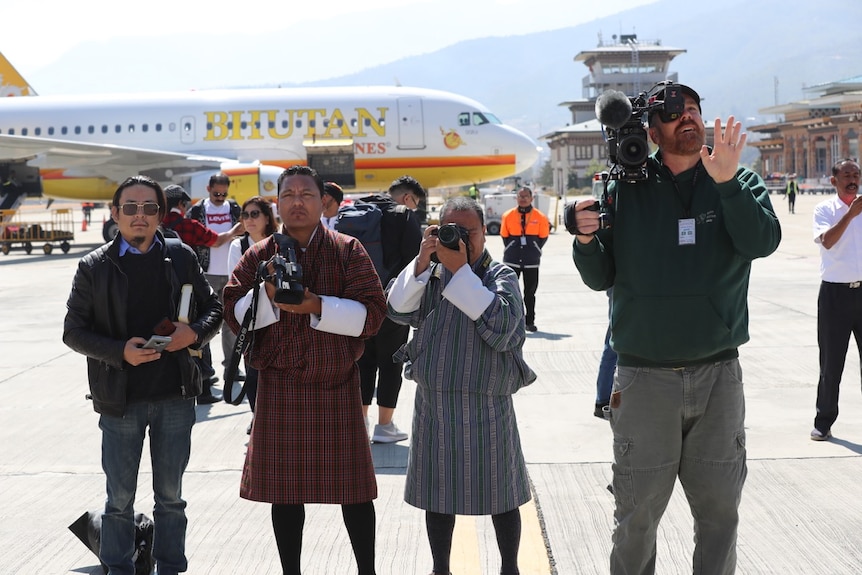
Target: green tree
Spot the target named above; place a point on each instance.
(546, 176)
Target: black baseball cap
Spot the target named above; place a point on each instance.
(664, 90)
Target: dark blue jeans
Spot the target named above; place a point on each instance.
(170, 423)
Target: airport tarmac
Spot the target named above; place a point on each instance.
(800, 512)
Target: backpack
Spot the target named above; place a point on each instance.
(196, 212)
(362, 221)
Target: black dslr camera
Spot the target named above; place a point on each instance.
(450, 235)
(628, 147)
(287, 273)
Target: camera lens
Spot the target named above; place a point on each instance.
(633, 150)
(448, 235)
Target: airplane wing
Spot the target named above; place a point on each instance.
(113, 162)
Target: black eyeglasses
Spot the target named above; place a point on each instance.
(133, 209)
(220, 194)
(254, 214)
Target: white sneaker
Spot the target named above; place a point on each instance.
(388, 433)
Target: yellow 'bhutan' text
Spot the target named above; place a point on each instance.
(279, 124)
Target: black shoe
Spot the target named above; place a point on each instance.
(531, 327)
(209, 381)
(207, 397)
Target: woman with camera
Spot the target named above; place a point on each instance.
(259, 222)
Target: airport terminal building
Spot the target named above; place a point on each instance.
(814, 133)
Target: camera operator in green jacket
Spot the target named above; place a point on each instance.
(678, 256)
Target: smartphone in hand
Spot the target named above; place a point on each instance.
(157, 342)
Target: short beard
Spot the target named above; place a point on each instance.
(137, 241)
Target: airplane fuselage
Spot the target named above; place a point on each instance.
(363, 137)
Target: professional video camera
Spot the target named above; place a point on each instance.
(628, 147)
(287, 273)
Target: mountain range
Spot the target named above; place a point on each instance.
(741, 56)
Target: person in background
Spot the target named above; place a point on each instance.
(123, 293)
(195, 235)
(219, 214)
(400, 236)
(607, 369)
(838, 232)
(679, 258)
(525, 230)
(467, 361)
(309, 443)
(332, 198)
(259, 223)
(791, 190)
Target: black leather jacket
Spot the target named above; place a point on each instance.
(95, 322)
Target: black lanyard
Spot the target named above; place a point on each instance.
(686, 209)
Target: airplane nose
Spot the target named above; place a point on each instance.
(526, 151)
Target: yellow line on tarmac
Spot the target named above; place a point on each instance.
(532, 555)
(465, 546)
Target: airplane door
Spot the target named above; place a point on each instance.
(411, 132)
(187, 130)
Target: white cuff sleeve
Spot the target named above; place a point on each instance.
(340, 316)
(405, 293)
(267, 313)
(467, 292)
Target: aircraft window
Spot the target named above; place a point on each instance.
(299, 123)
(464, 119)
(51, 130)
(131, 128)
(311, 123)
(118, 128)
(271, 124)
(187, 127)
(12, 131)
(77, 129)
(353, 122)
(38, 131)
(104, 128)
(90, 129)
(339, 122)
(243, 125)
(381, 121)
(479, 119)
(257, 125)
(230, 126)
(367, 122)
(158, 127)
(326, 123)
(492, 118)
(284, 123)
(145, 127)
(172, 127)
(23, 131)
(64, 130)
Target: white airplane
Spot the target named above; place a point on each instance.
(80, 147)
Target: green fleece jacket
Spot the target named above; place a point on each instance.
(679, 305)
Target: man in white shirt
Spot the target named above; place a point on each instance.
(220, 215)
(839, 305)
(332, 197)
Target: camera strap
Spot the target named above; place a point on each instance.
(686, 206)
(242, 343)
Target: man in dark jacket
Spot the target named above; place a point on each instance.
(678, 256)
(400, 236)
(123, 293)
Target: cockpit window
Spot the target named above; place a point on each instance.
(480, 118)
(464, 119)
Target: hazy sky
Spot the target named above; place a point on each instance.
(346, 34)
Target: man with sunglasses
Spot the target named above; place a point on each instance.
(219, 214)
(123, 293)
(195, 235)
(679, 256)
